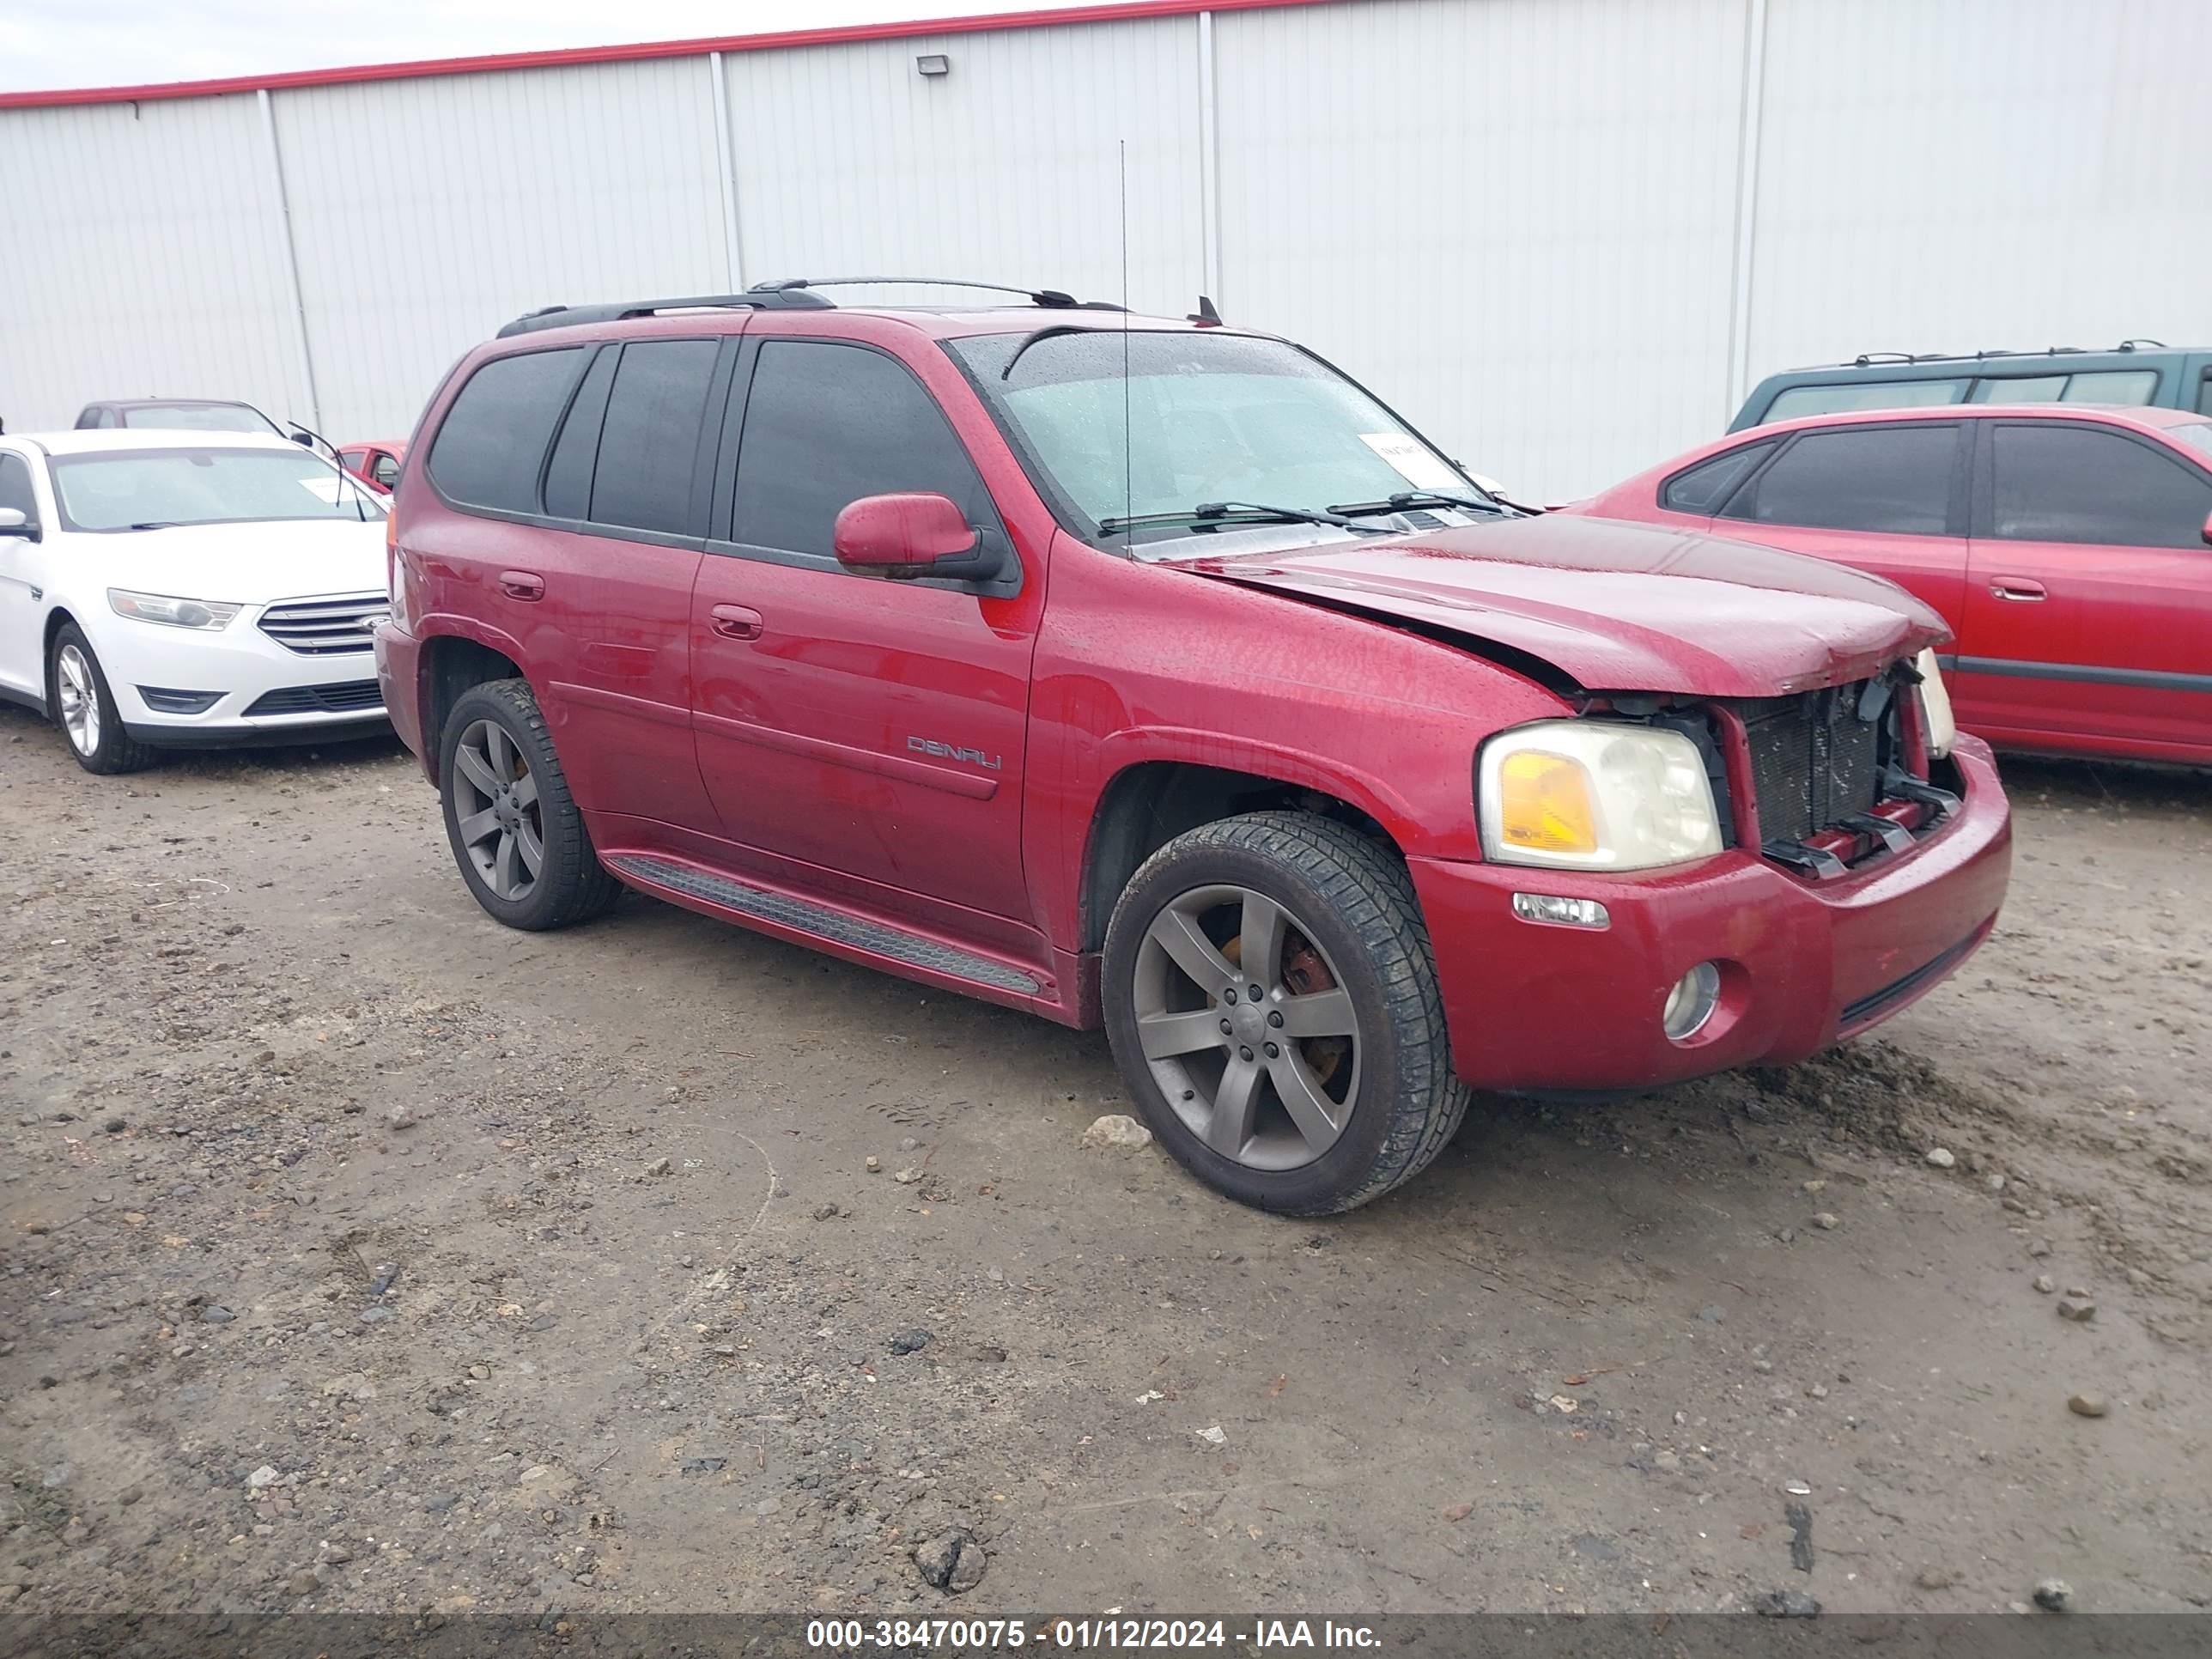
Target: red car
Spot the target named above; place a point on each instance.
(377, 462)
(2066, 547)
(1250, 729)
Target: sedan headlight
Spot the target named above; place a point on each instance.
(1591, 795)
(210, 614)
(1935, 707)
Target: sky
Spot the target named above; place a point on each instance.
(47, 44)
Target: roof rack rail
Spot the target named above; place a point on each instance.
(622, 310)
(1051, 299)
(784, 294)
(1870, 359)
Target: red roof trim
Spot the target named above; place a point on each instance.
(650, 49)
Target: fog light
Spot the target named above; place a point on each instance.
(1565, 912)
(1691, 1002)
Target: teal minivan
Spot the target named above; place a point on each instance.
(2142, 372)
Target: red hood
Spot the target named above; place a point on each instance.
(1620, 607)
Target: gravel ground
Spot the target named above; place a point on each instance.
(361, 1255)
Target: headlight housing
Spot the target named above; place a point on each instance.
(1594, 795)
(1935, 707)
(208, 614)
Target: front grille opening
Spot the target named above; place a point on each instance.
(326, 628)
(1820, 763)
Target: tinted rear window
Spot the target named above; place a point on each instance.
(1892, 478)
(1705, 487)
(493, 436)
(651, 435)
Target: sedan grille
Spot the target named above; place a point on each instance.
(351, 697)
(1815, 759)
(326, 628)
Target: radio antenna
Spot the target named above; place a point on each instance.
(1128, 448)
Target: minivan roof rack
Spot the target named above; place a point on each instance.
(785, 293)
(1870, 359)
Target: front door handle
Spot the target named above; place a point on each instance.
(2019, 589)
(522, 585)
(736, 622)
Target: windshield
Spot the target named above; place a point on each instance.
(1211, 417)
(2197, 434)
(200, 417)
(153, 489)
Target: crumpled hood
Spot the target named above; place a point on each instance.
(1619, 607)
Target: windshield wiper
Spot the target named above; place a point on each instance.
(1236, 513)
(156, 524)
(1406, 498)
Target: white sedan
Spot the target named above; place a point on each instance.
(166, 589)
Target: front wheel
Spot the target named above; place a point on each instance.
(1272, 1004)
(85, 710)
(515, 830)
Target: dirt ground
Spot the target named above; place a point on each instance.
(639, 1348)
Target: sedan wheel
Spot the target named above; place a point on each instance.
(496, 811)
(1247, 1028)
(80, 699)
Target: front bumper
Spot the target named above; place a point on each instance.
(262, 692)
(1803, 964)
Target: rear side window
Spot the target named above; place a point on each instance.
(2128, 386)
(1890, 478)
(650, 438)
(493, 437)
(826, 424)
(1705, 486)
(576, 451)
(2205, 394)
(1837, 398)
(2065, 483)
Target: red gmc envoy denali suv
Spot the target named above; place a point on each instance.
(1154, 675)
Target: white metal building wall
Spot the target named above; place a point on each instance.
(1561, 235)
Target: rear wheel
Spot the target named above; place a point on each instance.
(1272, 1004)
(515, 830)
(85, 710)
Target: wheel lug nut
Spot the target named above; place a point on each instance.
(1225, 1028)
(1229, 995)
(1257, 993)
(1244, 1053)
(1275, 1017)
(1274, 1053)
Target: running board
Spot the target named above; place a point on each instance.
(823, 921)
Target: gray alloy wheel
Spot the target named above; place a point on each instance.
(77, 698)
(497, 813)
(1246, 1027)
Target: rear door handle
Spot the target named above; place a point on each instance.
(736, 622)
(521, 585)
(2019, 589)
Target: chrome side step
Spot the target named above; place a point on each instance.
(805, 916)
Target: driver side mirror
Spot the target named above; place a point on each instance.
(304, 439)
(914, 534)
(13, 521)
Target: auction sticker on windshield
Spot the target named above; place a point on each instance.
(1413, 460)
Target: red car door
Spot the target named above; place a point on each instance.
(860, 736)
(2089, 602)
(1887, 499)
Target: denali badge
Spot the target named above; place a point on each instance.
(973, 757)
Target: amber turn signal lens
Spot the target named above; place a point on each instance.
(1544, 803)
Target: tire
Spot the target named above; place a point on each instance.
(506, 795)
(84, 708)
(1351, 902)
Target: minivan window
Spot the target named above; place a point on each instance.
(1890, 478)
(2118, 386)
(826, 424)
(2067, 484)
(576, 451)
(1704, 488)
(1836, 399)
(2019, 389)
(493, 436)
(650, 437)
